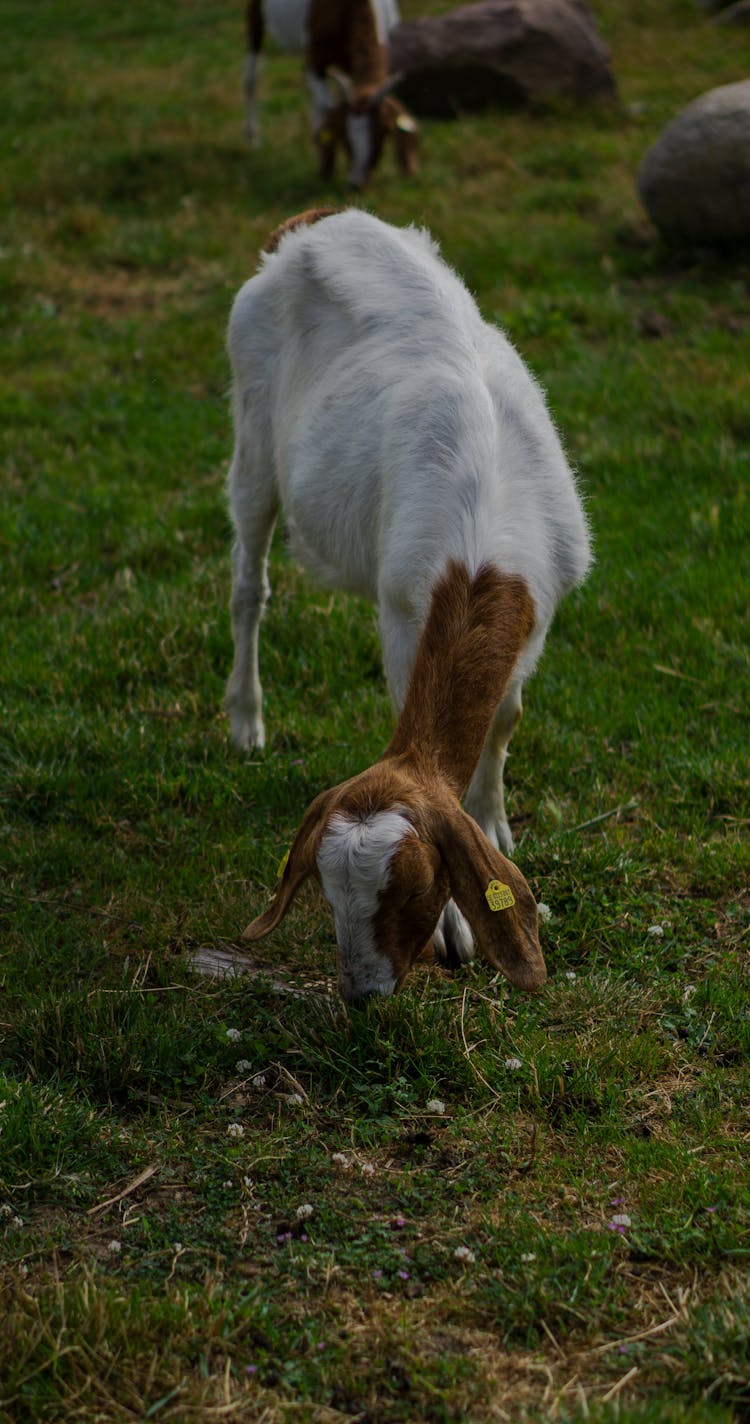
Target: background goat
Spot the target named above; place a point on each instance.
(346, 41)
(416, 463)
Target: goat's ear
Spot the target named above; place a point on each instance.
(297, 865)
(494, 896)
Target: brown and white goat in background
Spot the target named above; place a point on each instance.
(416, 463)
(346, 42)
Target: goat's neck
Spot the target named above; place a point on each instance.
(475, 629)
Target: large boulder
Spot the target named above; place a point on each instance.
(695, 180)
(738, 14)
(500, 52)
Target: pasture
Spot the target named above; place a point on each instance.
(521, 1208)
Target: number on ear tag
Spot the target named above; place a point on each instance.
(282, 865)
(499, 896)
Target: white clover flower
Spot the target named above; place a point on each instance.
(235, 1129)
(296, 1100)
(17, 1221)
(228, 1184)
(464, 1253)
(435, 1106)
(6, 1210)
(243, 1065)
(259, 1082)
(513, 1063)
(656, 930)
(177, 1246)
(341, 1159)
(571, 975)
(23, 1269)
(544, 912)
(114, 1248)
(688, 993)
(248, 1182)
(622, 1219)
(233, 1034)
(305, 1211)
(528, 1256)
(367, 1169)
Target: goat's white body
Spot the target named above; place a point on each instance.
(286, 22)
(397, 430)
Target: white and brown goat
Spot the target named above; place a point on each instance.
(416, 463)
(345, 42)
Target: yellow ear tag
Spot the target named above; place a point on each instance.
(499, 896)
(282, 865)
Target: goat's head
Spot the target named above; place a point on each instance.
(389, 848)
(362, 120)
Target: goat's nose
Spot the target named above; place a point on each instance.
(357, 995)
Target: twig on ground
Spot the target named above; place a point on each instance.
(144, 1176)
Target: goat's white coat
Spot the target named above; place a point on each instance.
(286, 22)
(397, 430)
(354, 860)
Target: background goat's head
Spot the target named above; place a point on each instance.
(389, 848)
(361, 121)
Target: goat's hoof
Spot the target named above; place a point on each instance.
(504, 837)
(452, 939)
(248, 733)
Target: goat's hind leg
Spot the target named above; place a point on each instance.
(254, 512)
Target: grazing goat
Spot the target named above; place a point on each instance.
(416, 463)
(346, 41)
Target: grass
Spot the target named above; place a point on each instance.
(160, 1129)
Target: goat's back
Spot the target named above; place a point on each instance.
(403, 429)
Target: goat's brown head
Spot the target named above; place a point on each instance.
(362, 120)
(389, 848)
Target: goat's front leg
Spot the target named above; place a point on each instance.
(485, 798)
(250, 591)
(321, 120)
(255, 28)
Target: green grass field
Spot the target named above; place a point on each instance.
(568, 1239)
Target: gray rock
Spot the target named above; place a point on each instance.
(695, 180)
(738, 14)
(505, 52)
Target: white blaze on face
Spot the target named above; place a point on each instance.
(354, 861)
(359, 134)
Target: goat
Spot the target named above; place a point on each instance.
(416, 463)
(346, 41)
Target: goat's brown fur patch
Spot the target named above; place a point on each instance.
(343, 34)
(475, 630)
(305, 219)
